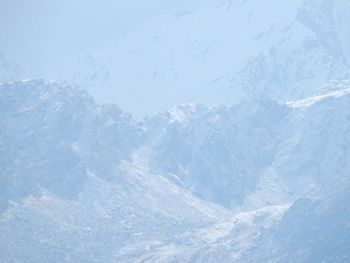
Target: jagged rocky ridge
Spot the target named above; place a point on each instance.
(82, 182)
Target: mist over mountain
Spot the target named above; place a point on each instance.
(94, 175)
(9, 71)
(217, 55)
(216, 135)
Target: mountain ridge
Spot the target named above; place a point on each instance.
(177, 61)
(121, 196)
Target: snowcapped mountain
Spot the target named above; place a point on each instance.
(82, 182)
(73, 168)
(217, 55)
(236, 155)
(237, 147)
(202, 143)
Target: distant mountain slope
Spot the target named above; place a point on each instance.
(256, 153)
(283, 50)
(82, 182)
(71, 179)
(315, 229)
(42, 123)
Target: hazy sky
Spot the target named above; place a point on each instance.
(36, 32)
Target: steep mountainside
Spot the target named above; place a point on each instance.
(283, 50)
(257, 153)
(237, 148)
(71, 178)
(315, 229)
(82, 182)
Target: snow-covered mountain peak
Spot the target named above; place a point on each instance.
(246, 157)
(167, 183)
(217, 55)
(342, 88)
(184, 113)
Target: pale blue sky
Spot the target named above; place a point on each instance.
(36, 32)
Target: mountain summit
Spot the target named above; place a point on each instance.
(217, 55)
(178, 183)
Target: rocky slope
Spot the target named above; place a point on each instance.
(82, 182)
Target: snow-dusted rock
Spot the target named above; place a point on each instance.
(82, 182)
(217, 55)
